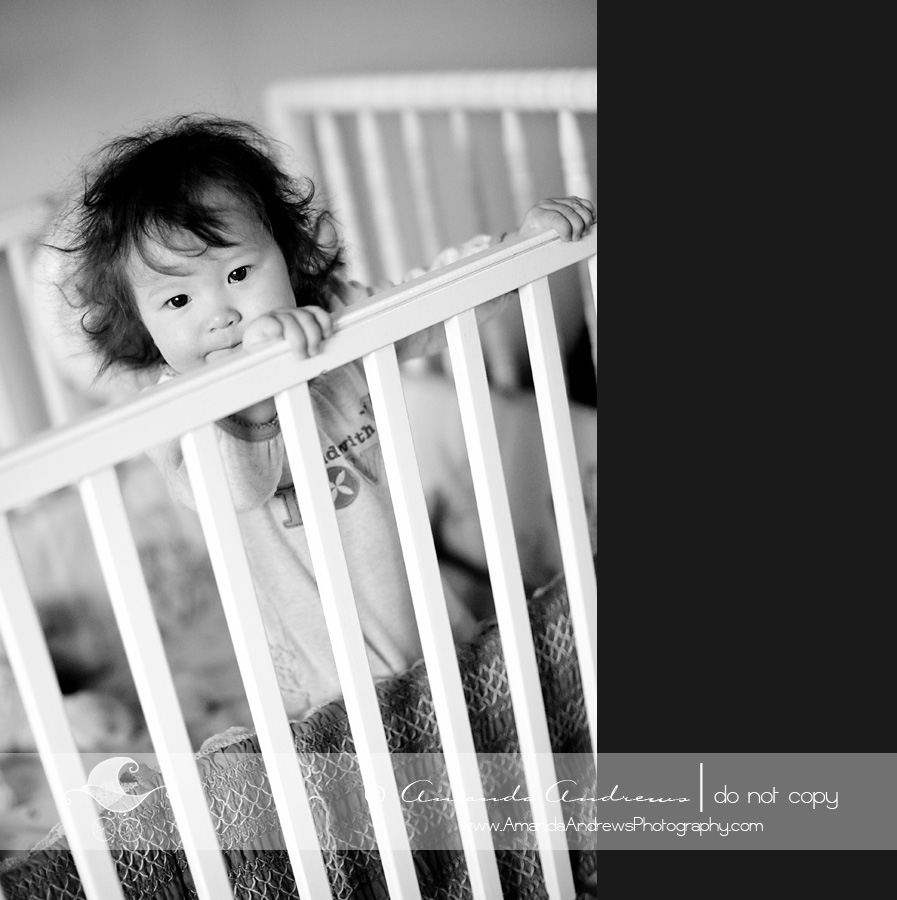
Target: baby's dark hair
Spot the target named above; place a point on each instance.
(149, 185)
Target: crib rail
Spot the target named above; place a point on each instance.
(85, 453)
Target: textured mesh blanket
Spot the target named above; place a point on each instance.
(147, 848)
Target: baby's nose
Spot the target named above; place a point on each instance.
(223, 318)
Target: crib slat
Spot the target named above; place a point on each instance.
(592, 318)
(312, 487)
(472, 195)
(10, 433)
(412, 519)
(137, 625)
(517, 158)
(296, 134)
(228, 555)
(58, 408)
(339, 183)
(593, 278)
(415, 151)
(510, 597)
(35, 676)
(376, 173)
(566, 491)
(577, 183)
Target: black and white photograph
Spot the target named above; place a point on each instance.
(299, 453)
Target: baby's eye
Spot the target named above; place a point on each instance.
(178, 302)
(238, 274)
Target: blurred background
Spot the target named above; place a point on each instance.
(75, 72)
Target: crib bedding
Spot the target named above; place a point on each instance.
(151, 862)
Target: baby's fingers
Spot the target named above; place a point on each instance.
(322, 317)
(306, 329)
(570, 217)
(264, 329)
(586, 210)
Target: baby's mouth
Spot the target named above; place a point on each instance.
(221, 352)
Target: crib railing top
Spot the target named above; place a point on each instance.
(64, 455)
(534, 90)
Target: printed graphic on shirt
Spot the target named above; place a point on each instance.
(287, 493)
(362, 450)
(343, 486)
(343, 491)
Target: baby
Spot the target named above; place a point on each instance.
(191, 244)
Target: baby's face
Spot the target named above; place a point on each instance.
(196, 301)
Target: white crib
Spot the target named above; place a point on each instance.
(85, 452)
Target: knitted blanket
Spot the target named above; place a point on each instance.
(148, 852)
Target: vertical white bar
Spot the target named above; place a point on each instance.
(471, 193)
(577, 183)
(415, 151)
(295, 133)
(35, 676)
(592, 319)
(339, 183)
(228, 555)
(566, 488)
(152, 677)
(441, 659)
(517, 159)
(300, 434)
(593, 278)
(58, 407)
(701, 786)
(376, 173)
(510, 597)
(9, 429)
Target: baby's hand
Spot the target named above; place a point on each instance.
(304, 328)
(570, 217)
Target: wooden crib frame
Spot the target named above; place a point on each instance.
(85, 453)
